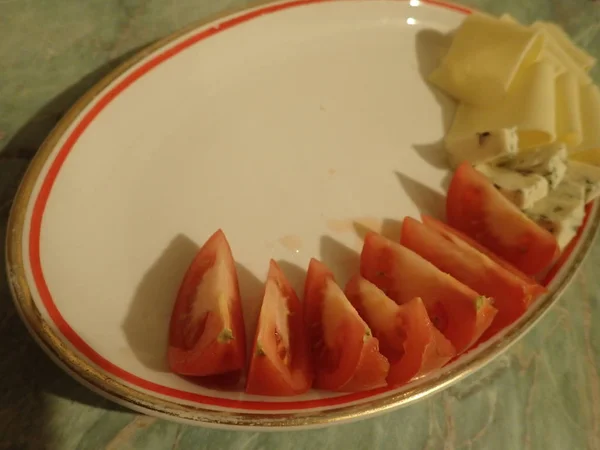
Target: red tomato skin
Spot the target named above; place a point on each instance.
(430, 354)
(371, 371)
(343, 363)
(266, 378)
(353, 362)
(475, 207)
(462, 240)
(408, 339)
(511, 295)
(460, 313)
(268, 374)
(201, 352)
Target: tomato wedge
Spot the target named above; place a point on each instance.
(460, 313)
(511, 295)
(206, 335)
(407, 338)
(345, 354)
(462, 240)
(475, 207)
(280, 363)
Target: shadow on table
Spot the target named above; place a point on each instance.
(28, 378)
(30, 136)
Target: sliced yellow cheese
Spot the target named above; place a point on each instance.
(589, 150)
(580, 56)
(568, 111)
(508, 18)
(556, 54)
(530, 107)
(554, 59)
(551, 57)
(485, 55)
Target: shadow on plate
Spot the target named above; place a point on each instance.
(446, 181)
(427, 200)
(146, 325)
(295, 274)
(389, 228)
(430, 47)
(251, 290)
(340, 259)
(433, 154)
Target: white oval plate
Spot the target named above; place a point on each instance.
(293, 127)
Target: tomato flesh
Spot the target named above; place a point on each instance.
(408, 339)
(460, 313)
(280, 363)
(345, 355)
(475, 207)
(511, 294)
(206, 332)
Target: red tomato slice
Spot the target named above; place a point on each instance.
(345, 354)
(475, 207)
(462, 240)
(511, 295)
(407, 338)
(206, 335)
(280, 363)
(460, 313)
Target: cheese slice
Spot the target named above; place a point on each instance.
(568, 111)
(561, 212)
(552, 51)
(485, 55)
(523, 190)
(587, 176)
(549, 161)
(508, 18)
(589, 149)
(481, 147)
(580, 56)
(530, 107)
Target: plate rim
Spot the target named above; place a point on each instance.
(120, 392)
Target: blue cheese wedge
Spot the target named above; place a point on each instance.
(587, 176)
(561, 212)
(482, 147)
(549, 161)
(524, 190)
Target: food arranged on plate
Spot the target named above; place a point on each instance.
(523, 146)
(344, 352)
(477, 208)
(459, 312)
(206, 333)
(280, 362)
(407, 337)
(527, 119)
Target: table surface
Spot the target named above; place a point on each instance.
(542, 394)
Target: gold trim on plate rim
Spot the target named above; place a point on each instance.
(138, 400)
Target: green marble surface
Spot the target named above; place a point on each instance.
(542, 394)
